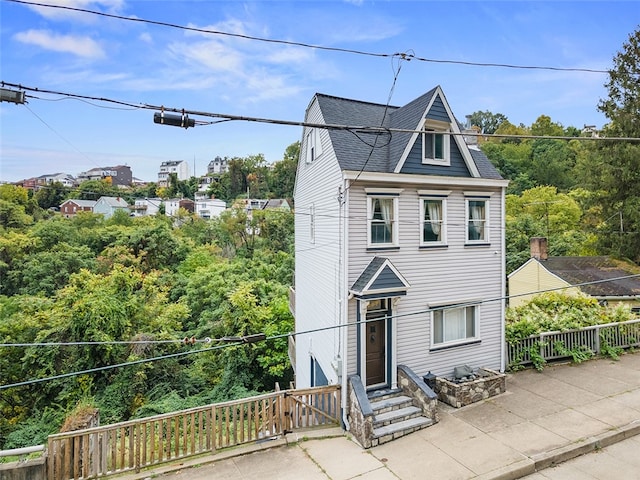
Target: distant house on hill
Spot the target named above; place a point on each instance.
(172, 206)
(146, 206)
(119, 176)
(609, 280)
(178, 167)
(107, 206)
(218, 165)
(70, 208)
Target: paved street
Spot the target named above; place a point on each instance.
(619, 461)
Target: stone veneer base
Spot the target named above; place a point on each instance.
(458, 395)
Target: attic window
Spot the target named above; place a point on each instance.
(313, 145)
(436, 143)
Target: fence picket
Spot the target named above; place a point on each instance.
(616, 335)
(134, 445)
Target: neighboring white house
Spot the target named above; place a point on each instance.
(399, 245)
(107, 206)
(63, 178)
(172, 206)
(209, 207)
(179, 167)
(146, 206)
(218, 165)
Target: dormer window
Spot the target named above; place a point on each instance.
(313, 145)
(436, 142)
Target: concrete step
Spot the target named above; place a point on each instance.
(396, 430)
(392, 403)
(395, 416)
(383, 394)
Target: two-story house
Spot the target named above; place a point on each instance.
(107, 206)
(399, 239)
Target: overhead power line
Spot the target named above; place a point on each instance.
(261, 337)
(327, 126)
(403, 56)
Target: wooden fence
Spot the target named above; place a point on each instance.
(130, 446)
(555, 345)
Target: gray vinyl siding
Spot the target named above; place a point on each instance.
(456, 168)
(316, 270)
(448, 275)
(438, 111)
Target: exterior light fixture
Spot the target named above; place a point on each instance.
(173, 120)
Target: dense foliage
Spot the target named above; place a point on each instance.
(136, 287)
(559, 312)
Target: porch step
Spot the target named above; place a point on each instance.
(391, 403)
(377, 395)
(396, 430)
(396, 416)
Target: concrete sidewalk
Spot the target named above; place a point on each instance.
(543, 419)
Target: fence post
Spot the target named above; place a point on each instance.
(597, 339)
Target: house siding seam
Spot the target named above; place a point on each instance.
(438, 111)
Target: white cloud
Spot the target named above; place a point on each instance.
(110, 6)
(146, 37)
(81, 46)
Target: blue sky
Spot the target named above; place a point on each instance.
(141, 63)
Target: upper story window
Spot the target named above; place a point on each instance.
(382, 218)
(433, 213)
(436, 143)
(454, 325)
(313, 145)
(477, 214)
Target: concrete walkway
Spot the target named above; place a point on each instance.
(543, 419)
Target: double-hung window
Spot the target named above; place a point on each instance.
(436, 143)
(477, 215)
(313, 145)
(433, 211)
(453, 325)
(382, 218)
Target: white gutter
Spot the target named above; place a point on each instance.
(503, 280)
(344, 306)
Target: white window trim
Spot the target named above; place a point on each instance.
(431, 127)
(313, 145)
(443, 224)
(487, 216)
(394, 225)
(462, 341)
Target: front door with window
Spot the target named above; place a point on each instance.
(376, 349)
(376, 341)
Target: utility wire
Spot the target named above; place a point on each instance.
(403, 56)
(263, 338)
(326, 126)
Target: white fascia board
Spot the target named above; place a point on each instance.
(430, 180)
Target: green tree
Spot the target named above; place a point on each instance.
(94, 189)
(47, 271)
(51, 196)
(543, 212)
(283, 176)
(487, 121)
(613, 168)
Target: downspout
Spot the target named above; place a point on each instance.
(344, 311)
(503, 276)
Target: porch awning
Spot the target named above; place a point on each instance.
(380, 279)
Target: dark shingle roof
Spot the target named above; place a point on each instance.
(576, 270)
(354, 148)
